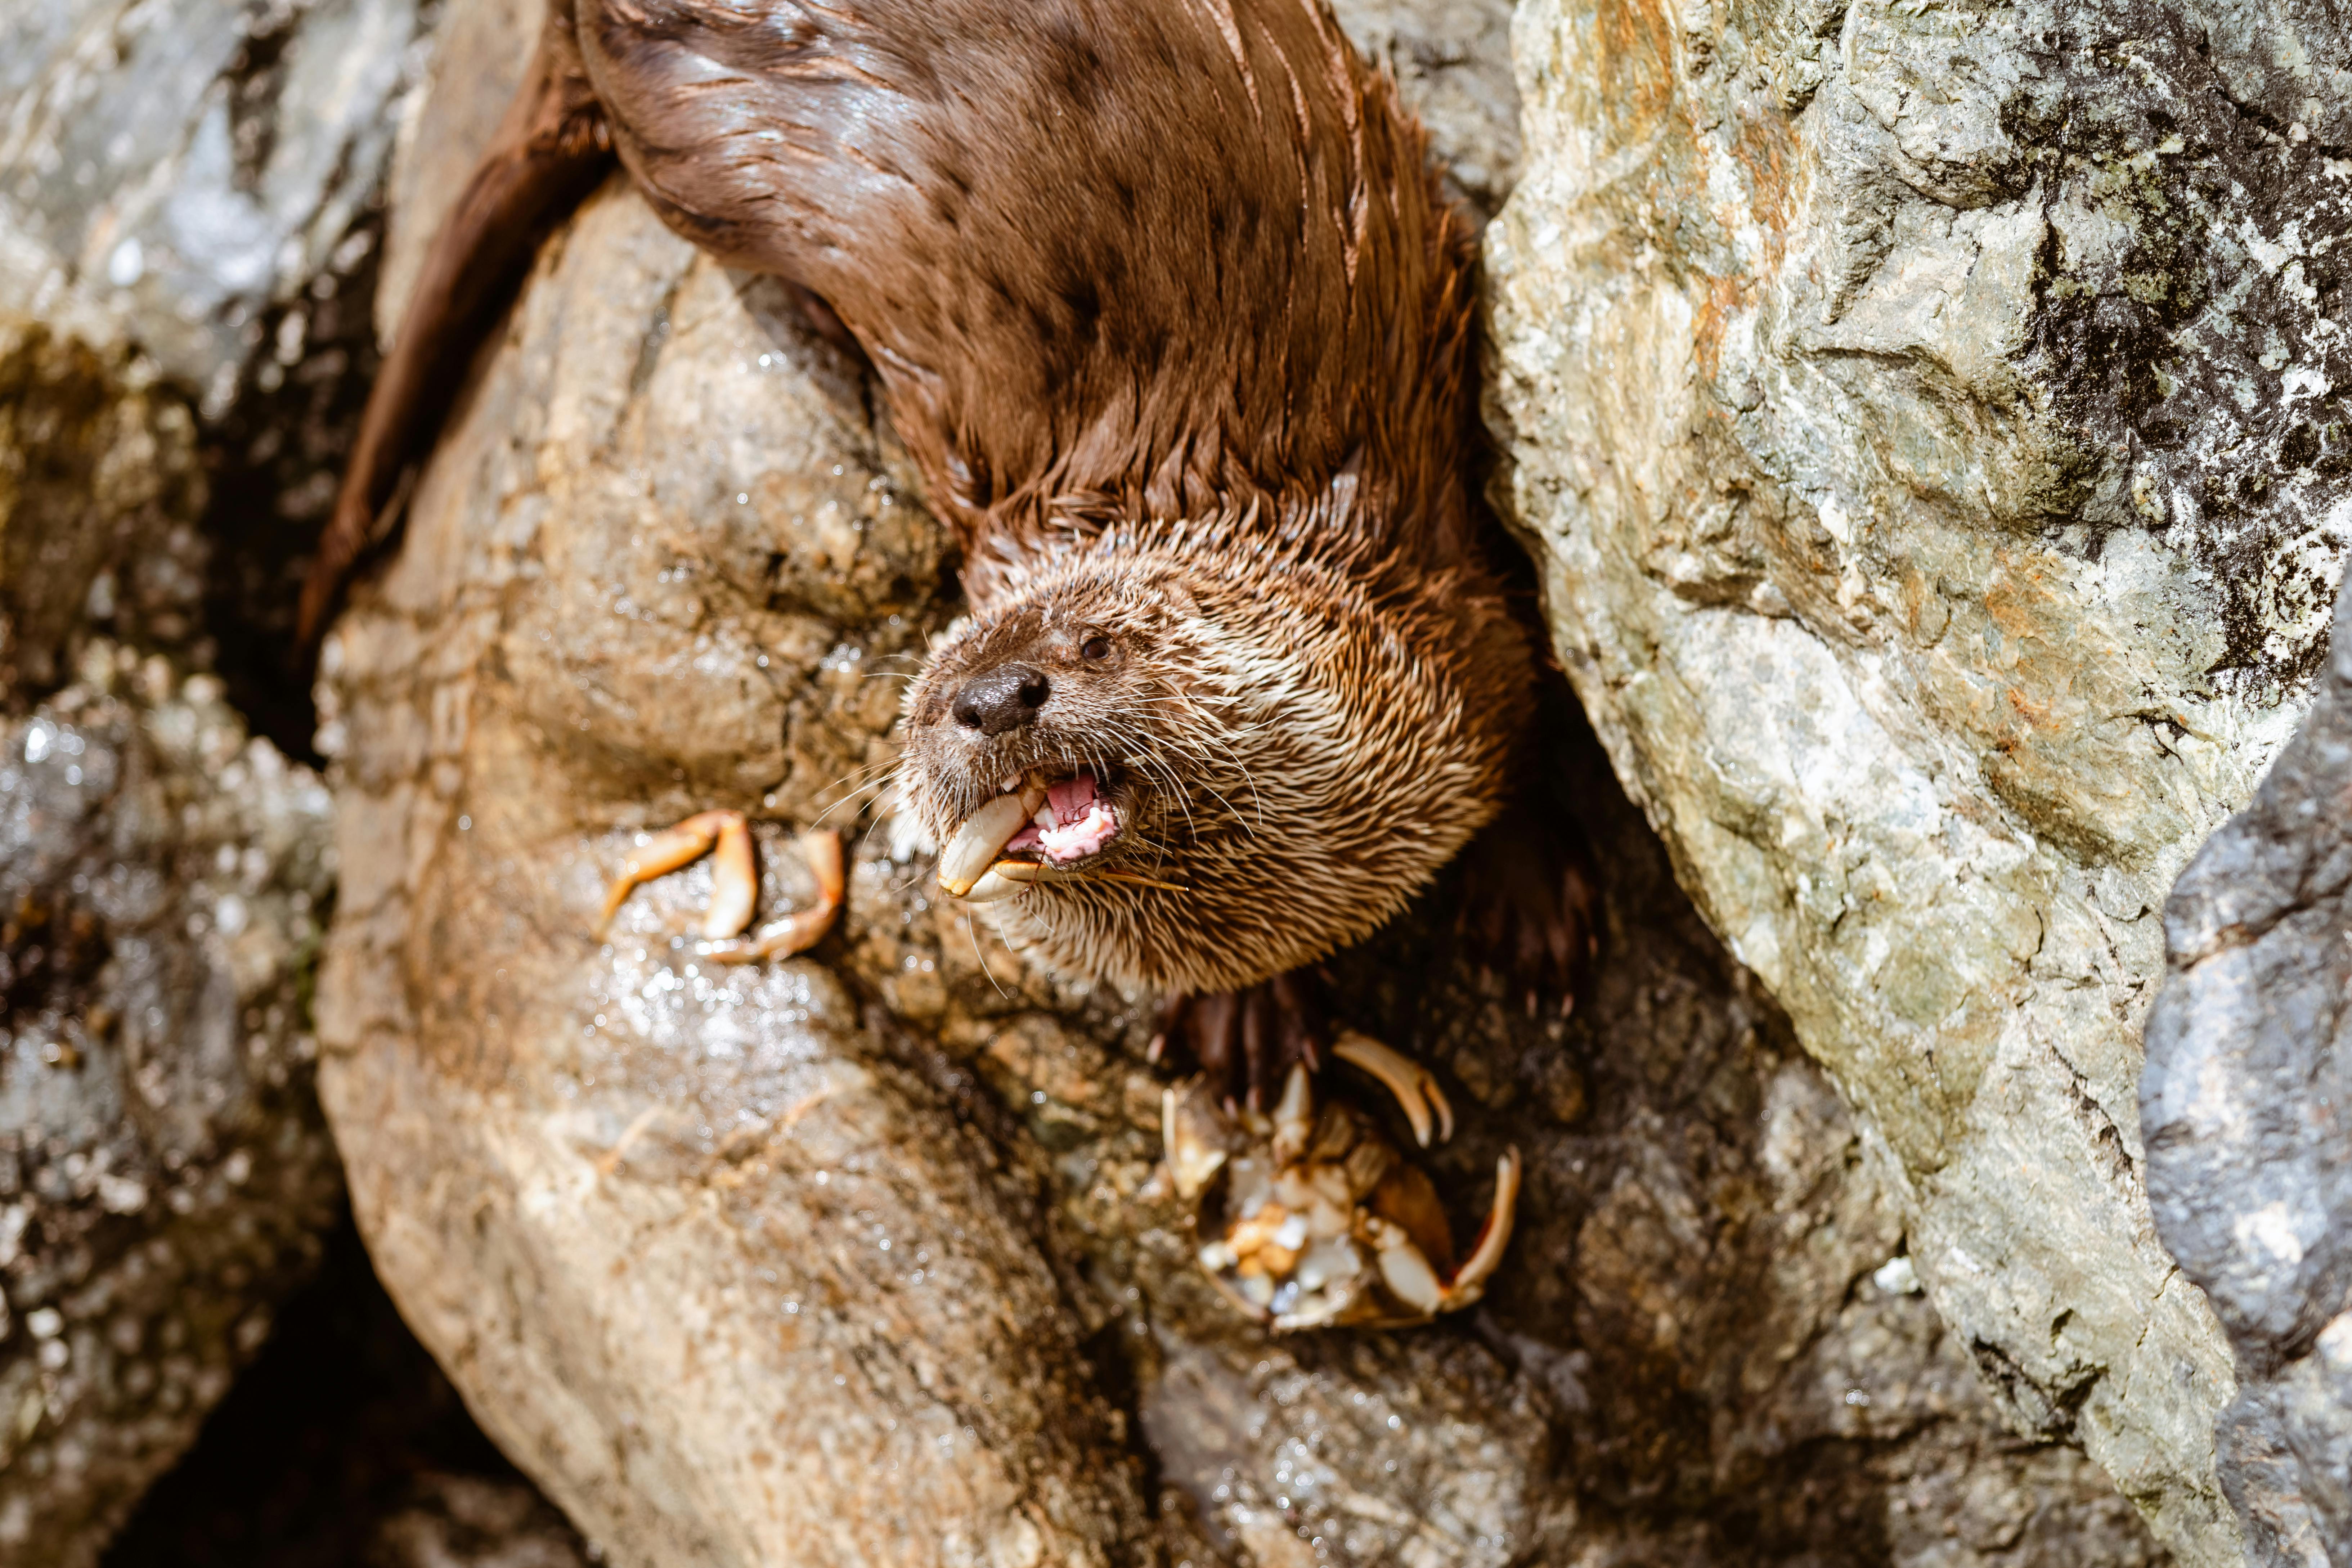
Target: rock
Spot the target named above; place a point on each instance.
(466, 1521)
(163, 1166)
(1925, 421)
(99, 490)
(1453, 63)
(710, 1251)
(163, 1169)
(2245, 1147)
(169, 171)
(757, 1295)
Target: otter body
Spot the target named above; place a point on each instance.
(1169, 313)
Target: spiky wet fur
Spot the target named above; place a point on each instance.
(1301, 745)
(1169, 313)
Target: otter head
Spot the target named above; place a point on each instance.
(1196, 761)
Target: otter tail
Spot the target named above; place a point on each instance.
(550, 153)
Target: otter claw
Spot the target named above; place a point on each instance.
(735, 885)
(1417, 1092)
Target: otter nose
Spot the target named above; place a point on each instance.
(1002, 698)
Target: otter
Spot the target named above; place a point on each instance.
(1166, 304)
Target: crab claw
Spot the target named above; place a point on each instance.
(1293, 1116)
(1469, 1281)
(1195, 1148)
(1415, 1091)
(735, 876)
(803, 929)
(735, 885)
(1407, 1271)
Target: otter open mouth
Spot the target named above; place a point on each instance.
(1028, 834)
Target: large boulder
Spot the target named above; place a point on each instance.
(2242, 1104)
(1929, 420)
(861, 1257)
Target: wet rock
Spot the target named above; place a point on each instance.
(708, 1250)
(865, 1252)
(466, 1521)
(1927, 425)
(99, 490)
(2242, 1104)
(163, 1168)
(170, 170)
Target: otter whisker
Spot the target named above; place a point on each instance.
(972, 928)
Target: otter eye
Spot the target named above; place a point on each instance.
(1095, 648)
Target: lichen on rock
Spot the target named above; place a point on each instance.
(1926, 418)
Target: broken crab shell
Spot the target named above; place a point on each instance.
(973, 852)
(1309, 1217)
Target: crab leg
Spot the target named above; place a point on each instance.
(1293, 1118)
(1469, 1281)
(1192, 1160)
(735, 882)
(803, 929)
(1416, 1091)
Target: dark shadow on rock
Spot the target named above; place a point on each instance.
(341, 1445)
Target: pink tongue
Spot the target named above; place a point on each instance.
(1082, 823)
(1071, 797)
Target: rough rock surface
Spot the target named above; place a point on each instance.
(163, 1169)
(170, 168)
(162, 1165)
(864, 1252)
(2243, 1106)
(99, 490)
(1931, 422)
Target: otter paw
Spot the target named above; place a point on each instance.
(1531, 908)
(1245, 1042)
(735, 885)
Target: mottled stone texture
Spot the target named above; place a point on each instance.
(100, 492)
(163, 1168)
(1928, 419)
(2243, 1102)
(862, 1257)
(169, 169)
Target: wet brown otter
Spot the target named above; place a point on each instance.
(1168, 309)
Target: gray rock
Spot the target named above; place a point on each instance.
(163, 1168)
(168, 170)
(1927, 422)
(2247, 1159)
(638, 1206)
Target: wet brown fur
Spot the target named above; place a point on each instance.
(1169, 310)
